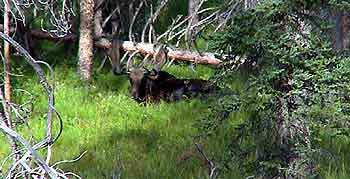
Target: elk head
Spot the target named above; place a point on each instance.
(138, 79)
(144, 82)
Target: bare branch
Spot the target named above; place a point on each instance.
(109, 17)
(51, 172)
(70, 161)
(133, 20)
(153, 18)
(213, 170)
(49, 89)
(227, 15)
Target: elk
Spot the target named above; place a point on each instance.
(154, 86)
(148, 85)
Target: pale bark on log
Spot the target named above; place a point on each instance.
(177, 54)
(85, 53)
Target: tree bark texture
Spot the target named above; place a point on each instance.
(86, 39)
(98, 19)
(192, 6)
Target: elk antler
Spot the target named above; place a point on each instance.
(130, 64)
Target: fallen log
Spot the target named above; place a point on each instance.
(44, 35)
(144, 48)
(177, 54)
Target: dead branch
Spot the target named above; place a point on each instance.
(212, 168)
(30, 162)
(38, 71)
(8, 131)
(133, 20)
(39, 34)
(152, 19)
(48, 88)
(58, 14)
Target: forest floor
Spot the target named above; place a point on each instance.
(137, 141)
(120, 135)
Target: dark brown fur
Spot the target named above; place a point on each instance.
(153, 86)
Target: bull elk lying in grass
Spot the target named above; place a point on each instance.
(155, 86)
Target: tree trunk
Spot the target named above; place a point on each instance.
(98, 19)
(7, 90)
(192, 7)
(86, 39)
(7, 52)
(341, 31)
(26, 38)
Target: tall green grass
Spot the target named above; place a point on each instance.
(140, 141)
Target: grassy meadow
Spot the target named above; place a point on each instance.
(120, 135)
(136, 141)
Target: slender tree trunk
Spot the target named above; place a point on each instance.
(341, 31)
(86, 39)
(98, 20)
(7, 52)
(7, 90)
(192, 6)
(346, 30)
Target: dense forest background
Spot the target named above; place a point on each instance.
(281, 70)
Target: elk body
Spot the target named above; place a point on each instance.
(154, 86)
